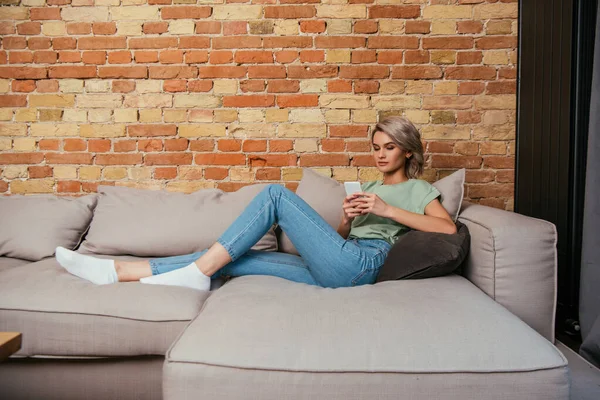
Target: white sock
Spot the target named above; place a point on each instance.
(95, 270)
(189, 276)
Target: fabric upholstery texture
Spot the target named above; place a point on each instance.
(157, 223)
(33, 226)
(7, 263)
(452, 188)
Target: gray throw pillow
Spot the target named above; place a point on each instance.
(33, 226)
(157, 223)
(419, 255)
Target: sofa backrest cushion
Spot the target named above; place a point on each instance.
(33, 226)
(157, 223)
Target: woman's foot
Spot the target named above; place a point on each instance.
(96, 270)
(189, 276)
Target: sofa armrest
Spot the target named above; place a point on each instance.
(513, 259)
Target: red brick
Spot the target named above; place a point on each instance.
(68, 186)
(220, 159)
(185, 12)
(3, 186)
(152, 130)
(98, 145)
(175, 86)
(344, 42)
(23, 86)
(263, 71)
(123, 72)
(393, 42)
(123, 86)
(152, 43)
(468, 117)
(150, 145)
(441, 161)
(506, 176)
(417, 27)
(3, 57)
(146, 56)
(324, 160)
(365, 26)
(119, 57)
(286, 56)
(298, 100)
(339, 86)
(216, 173)
(469, 57)
(253, 57)
(202, 145)
(74, 145)
(47, 86)
(45, 57)
(235, 28)
(48, 144)
(96, 43)
(94, 57)
(402, 12)
(471, 88)
(200, 86)
(312, 71)
(237, 42)
(172, 72)
(502, 87)
(8, 27)
(253, 85)
(23, 72)
(312, 56)
(155, 27)
(496, 42)
(281, 145)
(123, 146)
(348, 130)
(365, 56)
(273, 160)
(270, 42)
(222, 72)
(291, 12)
(363, 146)
(14, 100)
(312, 26)
(229, 145)
(63, 43)
(498, 190)
(14, 42)
(118, 159)
(20, 57)
(194, 42)
(196, 56)
(470, 73)
(361, 160)
(420, 72)
(268, 174)
(44, 13)
(448, 42)
(469, 26)
(79, 28)
(165, 173)
(180, 144)
(21, 158)
(69, 56)
(39, 43)
(29, 28)
(507, 73)
(254, 145)
(204, 27)
(364, 72)
(499, 162)
(416, 57)
(104, 28)
(249, 101)
(332, 145)
(36, 172)
(67, 158)
(232, 186)
(221, 57)
(171, 56)
(366, 86)
(283, 86)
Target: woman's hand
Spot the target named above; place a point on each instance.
(350, 210)
(371, 203)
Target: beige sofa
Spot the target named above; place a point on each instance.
(487, 333)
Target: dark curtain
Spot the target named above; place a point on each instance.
(589, 295)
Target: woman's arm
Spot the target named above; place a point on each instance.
(349, 212)
(344, 227)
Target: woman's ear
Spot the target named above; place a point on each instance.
(408, 155)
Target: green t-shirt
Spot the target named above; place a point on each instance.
(412, 195)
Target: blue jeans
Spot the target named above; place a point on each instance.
(327, 259)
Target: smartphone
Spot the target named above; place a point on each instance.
(352, 187)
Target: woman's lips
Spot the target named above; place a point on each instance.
(382, 163)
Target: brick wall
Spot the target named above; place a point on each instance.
(168, 94)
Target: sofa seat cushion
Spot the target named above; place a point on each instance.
(442, 325)
(60, 314)
(7, 263)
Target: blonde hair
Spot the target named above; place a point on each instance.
(404, 134)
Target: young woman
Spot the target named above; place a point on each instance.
(351, 256)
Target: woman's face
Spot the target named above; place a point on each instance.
(388, 156)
